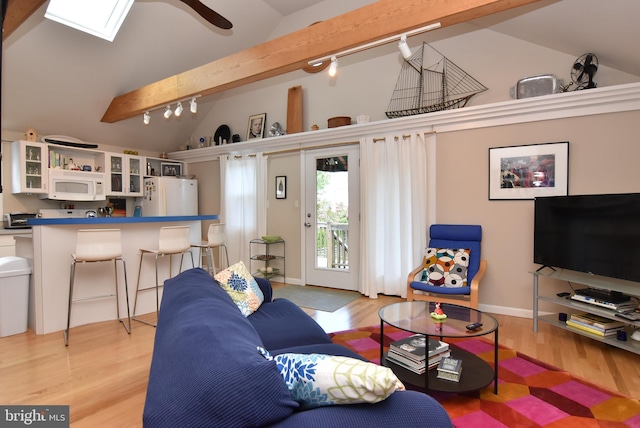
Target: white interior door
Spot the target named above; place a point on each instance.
(332, 217)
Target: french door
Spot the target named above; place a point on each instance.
(332, 217)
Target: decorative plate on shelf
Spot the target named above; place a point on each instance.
(222, 135)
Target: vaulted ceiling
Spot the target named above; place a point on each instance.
(62, 81)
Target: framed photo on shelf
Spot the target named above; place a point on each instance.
(281, 187)
(170, 169)
(527, 172)
(256, 126)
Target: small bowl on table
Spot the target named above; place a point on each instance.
(270, 239)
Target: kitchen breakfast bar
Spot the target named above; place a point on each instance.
(49, 251)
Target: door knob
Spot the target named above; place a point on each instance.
(307, 224)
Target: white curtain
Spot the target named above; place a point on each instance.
(243, 202)
(394, 210)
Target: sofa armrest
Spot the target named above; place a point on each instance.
(265, 287)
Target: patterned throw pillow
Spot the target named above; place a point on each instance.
(446, 267)
(322, 380)
(242, 287)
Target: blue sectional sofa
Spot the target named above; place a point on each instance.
(206, 372)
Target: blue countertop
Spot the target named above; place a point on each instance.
(117, 220)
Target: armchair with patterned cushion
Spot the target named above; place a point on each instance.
(452, 267)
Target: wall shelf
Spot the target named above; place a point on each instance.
(608, 99)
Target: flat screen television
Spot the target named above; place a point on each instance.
(595, 234)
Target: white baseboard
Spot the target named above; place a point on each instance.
(514, 312)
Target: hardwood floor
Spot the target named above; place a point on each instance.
(103, 373)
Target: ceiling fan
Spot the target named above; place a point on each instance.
(210, 15)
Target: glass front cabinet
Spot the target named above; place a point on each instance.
(124, 175)
(29, 167)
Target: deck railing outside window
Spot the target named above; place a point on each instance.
(333, 245)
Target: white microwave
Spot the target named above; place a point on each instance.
(69, 185)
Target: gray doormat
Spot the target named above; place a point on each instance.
(322, 299)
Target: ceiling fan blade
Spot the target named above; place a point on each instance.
(213, 17)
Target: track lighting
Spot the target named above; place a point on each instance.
(405, 50)
(193, 107)
(333, 68)
(403, 46)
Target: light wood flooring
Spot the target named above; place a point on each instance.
(103, 373)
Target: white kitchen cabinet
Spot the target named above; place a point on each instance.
(29, 167)
(125, 174)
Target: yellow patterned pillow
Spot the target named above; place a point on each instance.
(323, 380)
(242, 287)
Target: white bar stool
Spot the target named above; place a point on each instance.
(98, 245)
(172, 240)
(216, 238)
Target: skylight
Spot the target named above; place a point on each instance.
(101, 18)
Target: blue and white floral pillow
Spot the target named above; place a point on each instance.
(322, 380)
(237, 281)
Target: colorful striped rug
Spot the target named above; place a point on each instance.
(530, 392)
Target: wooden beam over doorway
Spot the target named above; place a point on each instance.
(373, 22)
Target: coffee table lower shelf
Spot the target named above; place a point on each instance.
(476, 374)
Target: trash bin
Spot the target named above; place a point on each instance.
(14, 295)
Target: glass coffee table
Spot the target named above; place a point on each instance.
(415, 317)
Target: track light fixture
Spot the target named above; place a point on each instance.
(193, 107)
(333, 68)
(405, 50)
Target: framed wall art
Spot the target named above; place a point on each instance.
(527, 172)
(256, 126)
(281, 187)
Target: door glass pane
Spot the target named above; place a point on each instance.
(332, 213)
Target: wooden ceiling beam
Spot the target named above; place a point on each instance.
(17, 12)
(373, 22)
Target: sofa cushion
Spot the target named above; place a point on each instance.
(401, 409)
(241, 287)
(205, 370)
(281, 324)
(317, 380)
(319, 348)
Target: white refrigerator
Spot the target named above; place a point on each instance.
(169, 196)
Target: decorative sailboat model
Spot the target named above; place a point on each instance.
(441, 86)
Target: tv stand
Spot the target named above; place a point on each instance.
(628, 288)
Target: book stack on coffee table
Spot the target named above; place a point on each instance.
(411, 353)
(450, 369)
